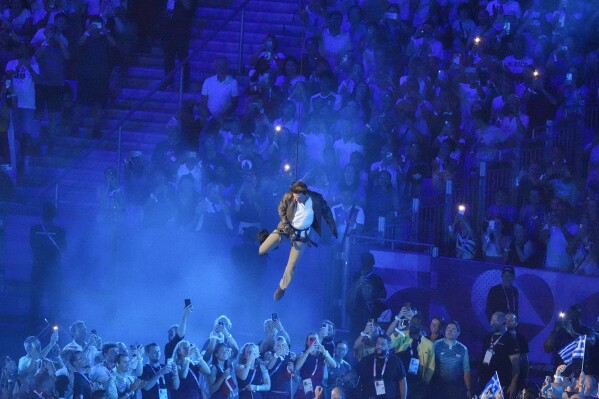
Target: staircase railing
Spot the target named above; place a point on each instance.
(117, 130)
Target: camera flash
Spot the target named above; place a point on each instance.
(287, 167)
(562, 315)
(535, 73)
(278, 128)
(55, 328)
(477, 40)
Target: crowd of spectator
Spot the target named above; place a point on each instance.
(389, 101)
(391, 357)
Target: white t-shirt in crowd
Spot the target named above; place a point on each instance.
(558, 258)
(304, 215)
(23, 84)
(515, 65)
(219, 93)
(343, 150)
(333, 47)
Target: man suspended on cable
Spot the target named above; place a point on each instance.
(300, 210)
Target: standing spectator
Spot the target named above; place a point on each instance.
(349, 217)
(312, 365)
(31, 364)
(558, 234)
(251, 373)
(82, 388)
(214, 211)
(503, 297)
(48, 243)
(192, 370)
(88, 349)
(158, 378)
(465, 244)
(281, 369)
(95, 54)
(176, 37)
(511, 321)
(389, 377)
(52, 58)
(417, 355)
(22, 72)
(222, 384)
(437, 325)
(335, 43)
(101, 373)
(452, 365)
(501, 356)
(341, 376)
(219, 92)
(176, 332)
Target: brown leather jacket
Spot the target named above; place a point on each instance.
(287, 208)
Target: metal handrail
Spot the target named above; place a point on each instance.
(129, 114)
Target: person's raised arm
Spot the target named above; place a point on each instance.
(52, 344)
(182, 327)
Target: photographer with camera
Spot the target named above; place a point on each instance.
(281, 369)
(272, 329)
(311, 364)
(414, 350)
(220, 334)
(568, 326)
(35, 358)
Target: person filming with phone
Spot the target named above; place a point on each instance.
(311, 365)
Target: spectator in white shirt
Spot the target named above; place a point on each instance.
(220, 92)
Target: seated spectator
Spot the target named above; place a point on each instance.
(313, 16)
(463, 27)
(219, 92)
(524, 249)
(268, 52)
(215, 212)
(348, 216)
(586, 257)
(159, 204)
(382, 201)
(532, 214)
(350, 181)
(466, 243)
(191, 166)
(558, 234)
(502, 208)
(312, 59)
(168, 153)
(291, 76)
(326, 102)
(347, 143)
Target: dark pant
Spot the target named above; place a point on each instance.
(46, 281)
(176, 45)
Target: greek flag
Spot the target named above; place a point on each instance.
(493, 388)
(574, 350)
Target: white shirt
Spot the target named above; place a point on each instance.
(23, 84)
(219, 93)
(304, 215)
(91, 354)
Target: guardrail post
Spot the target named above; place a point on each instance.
(482, 192)
(241, 39)
(448, 212)
(415, 228)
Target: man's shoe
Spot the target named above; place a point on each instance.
(279, 293)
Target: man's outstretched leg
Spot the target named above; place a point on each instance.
(272, 241)
(295, 254)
